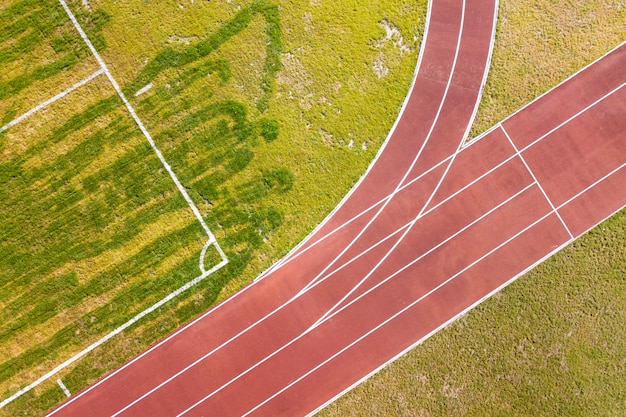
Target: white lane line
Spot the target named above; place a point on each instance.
(403, 310)
(537, 182)
(481, 89)
(66, 391)
(50, 101)
(560, 125)
(143, 90)
(143, 129)
(592, 185)
(110, 335)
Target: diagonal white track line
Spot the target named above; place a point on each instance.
(50, 100)
(536, 181)
(569, 119)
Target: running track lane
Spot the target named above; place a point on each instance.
(337, 359)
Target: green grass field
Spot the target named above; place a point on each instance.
(264, 135)
(552, 343)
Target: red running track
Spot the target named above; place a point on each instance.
(430, 231)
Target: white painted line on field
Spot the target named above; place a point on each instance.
(537, 182)
(212, 241)
(66, 391)
(50, 101)
(143, 90)
(132, 112)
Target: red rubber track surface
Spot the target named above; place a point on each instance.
(429, 232)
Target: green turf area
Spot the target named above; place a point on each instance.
(553, 342)
(256, 105)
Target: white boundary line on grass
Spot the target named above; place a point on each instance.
(51, 100)
(66, 391)
(211, 241)
(143, 129)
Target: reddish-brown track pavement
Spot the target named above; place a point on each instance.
(430, 231)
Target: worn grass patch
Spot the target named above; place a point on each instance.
(553, 342)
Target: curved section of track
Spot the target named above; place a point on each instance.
(430, 231)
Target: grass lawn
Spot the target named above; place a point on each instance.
(256, 105)
(552, 343)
